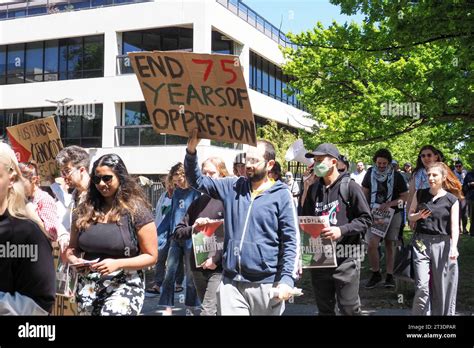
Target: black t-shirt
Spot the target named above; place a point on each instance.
(113, 240)
(31, 270)
(439, 221)
(399, 187)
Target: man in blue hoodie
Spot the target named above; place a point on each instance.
(261, 246)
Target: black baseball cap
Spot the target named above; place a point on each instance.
(323, 150)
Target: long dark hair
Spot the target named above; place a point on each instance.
(128, 199)
(419, 163)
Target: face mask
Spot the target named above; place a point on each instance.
(321, 170)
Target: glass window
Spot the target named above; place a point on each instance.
(132, 41)
(34, 61)
(259, 73)
(2, 123)
(151, 41)
(3, 64)
(63, 57)
(278, 88)
(101, 2)
(135, 114)
(13, 117)
(271, 82)
(93, 128)
(221, 43)
(93, 56)
(16, 63)
(51, 53)
(265, 76)
(186, 39)
(31, 115)
(75, 58)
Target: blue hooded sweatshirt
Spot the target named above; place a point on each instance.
(261, 234)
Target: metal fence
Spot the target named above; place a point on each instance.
(257, 21)
(153, 193)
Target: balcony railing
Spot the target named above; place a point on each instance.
(144, 135)
(257, 21)
(18, 9)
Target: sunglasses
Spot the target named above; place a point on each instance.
(96, 179)
(423, 155)
(341, 170)
(458, 165)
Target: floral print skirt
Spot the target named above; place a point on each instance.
(120, 293)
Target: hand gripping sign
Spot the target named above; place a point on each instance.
(184, 91)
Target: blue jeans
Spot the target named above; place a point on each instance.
(178, 250)
(160, 267)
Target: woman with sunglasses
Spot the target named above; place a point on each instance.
(419, 179)
(115, 231)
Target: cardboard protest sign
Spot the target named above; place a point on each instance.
(37, 140)
(184, 91)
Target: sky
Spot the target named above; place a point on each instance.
(299, 15)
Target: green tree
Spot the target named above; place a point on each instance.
(401, 78)
(280, 137)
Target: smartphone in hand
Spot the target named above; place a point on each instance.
(423, 206)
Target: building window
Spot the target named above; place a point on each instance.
(221, 43)
(3, 65)
(34, 62)
(136, 128)
(75, 58)
(267, 78)
(161, 39)
(16, 63)
(74, 129)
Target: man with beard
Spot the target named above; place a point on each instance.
(73, 162)
(385, 189)
(261, 246)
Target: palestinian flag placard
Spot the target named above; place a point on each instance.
(208, 241)
(315, 251)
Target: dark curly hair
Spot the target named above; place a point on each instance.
(129, 198)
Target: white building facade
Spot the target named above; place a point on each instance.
(75, 51)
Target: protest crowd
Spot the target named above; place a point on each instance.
(258, 229)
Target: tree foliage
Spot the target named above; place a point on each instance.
(280, 137)
(402, 78)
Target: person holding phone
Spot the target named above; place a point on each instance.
(115, 225)
(435, 252)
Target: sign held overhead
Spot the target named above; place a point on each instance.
(184, 91)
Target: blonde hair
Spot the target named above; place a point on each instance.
(219, 164)
(16, 199)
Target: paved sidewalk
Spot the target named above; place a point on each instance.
(151, 308)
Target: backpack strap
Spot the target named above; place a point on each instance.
(344, 190)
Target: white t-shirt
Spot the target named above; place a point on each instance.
(358, 177)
